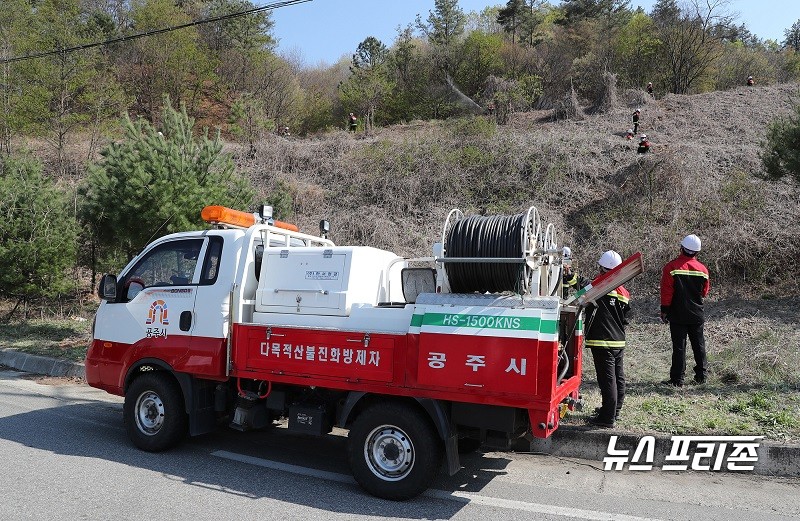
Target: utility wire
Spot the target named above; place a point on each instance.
(267, 7)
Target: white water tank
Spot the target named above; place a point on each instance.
(327, 280)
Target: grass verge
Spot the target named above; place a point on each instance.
(65, 339)
(753, 386)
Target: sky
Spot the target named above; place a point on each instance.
(325, 30)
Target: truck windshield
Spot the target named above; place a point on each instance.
(169, 264)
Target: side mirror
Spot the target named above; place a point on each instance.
(416, 281)
(107, 289)
(324, 228)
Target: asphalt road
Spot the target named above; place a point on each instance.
(66, 456)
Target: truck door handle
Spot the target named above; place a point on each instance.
(365, 340)
(186, 321)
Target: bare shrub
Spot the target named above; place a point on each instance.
(608, 92)
(637, 97)
(568, 108)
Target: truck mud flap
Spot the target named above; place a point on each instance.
(199, 397)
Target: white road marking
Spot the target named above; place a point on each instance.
(460, 497)
(285, 467)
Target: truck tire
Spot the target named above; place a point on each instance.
(394, 451)
(154, 413)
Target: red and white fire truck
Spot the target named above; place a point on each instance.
(252, 322)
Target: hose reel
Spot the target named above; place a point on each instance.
(496, 253)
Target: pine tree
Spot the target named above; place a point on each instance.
(39, 235)
(781, 153)
(792, 36)
(445, 26)
(156, 182)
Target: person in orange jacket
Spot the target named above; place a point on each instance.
(684, 285)
(644, 145)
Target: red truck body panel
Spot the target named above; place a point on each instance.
(509, 372)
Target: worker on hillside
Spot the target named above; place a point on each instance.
(750, 81)
(635, 118)
(684, 285)
(352, 121)
(644, 145)
(650, 89)
(490, 108)
(629, 134)
(605, 322)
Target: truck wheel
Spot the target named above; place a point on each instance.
(394, 451)
(154, 413)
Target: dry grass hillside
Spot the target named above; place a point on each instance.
(394, 189)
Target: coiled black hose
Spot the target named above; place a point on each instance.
(496, 236)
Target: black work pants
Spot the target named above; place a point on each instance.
(611, 379)
(679, 332)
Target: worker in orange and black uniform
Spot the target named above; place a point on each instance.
(644, 145)
(684, 285)
(605, 321)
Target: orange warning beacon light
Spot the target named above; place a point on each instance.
(223, 215)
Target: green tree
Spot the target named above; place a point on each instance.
(636, 46)
(792, 37)
(689, 44)
(319, 108)
(413, 77)
(521, 18)
(175, 63)
(577, 10)
(480, 58)
(239, 43)
(781, 151)
(18, 97)
(156, 182)
(444, 28)
(512, 16)
(369, 83)
(268, 97)
(72, 89)
(37, 233)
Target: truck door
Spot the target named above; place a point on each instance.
(153, 317)
(207, 353)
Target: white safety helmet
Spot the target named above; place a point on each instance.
(566, 252)
(643, 136)
(691, 243)
(610, 260)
